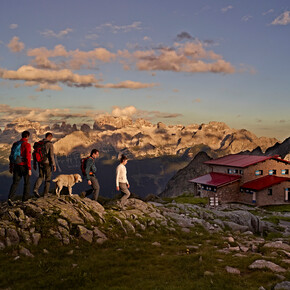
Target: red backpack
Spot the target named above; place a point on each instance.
(39, 153)
(83, 164)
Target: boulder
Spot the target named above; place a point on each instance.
(25, 252)
(36, 238)
(85, 234)
(12, 236)
(99, 236)
(261, 264)
(243, 218)
(236, 227)
(232, 270)
(285, 285)
(277, 245)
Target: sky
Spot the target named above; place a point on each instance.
(177, 62)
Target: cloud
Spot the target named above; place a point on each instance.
(246, 18)
(51, 33)
(197, 100)
(127, 111)
(15, 45)
(40, 76)
(47, 116)
(121, 28)
(13, 26)
(50, 79)
(268, 12)
(73, 59)
(127, 85)
(147, 38)
(92, 36)
(190, 57)
(184, 35)
(283, 19)
(226, 9)
(134, 113)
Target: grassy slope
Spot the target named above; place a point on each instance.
(134, 263)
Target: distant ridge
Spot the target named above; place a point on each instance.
(141, 138)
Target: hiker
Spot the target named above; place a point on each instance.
(122, 183)
(20, 166)
(43, 155)
(89, 172)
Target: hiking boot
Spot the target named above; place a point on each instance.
(36, 194)
(10, 202)
(83, 194)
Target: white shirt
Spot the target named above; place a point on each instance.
(121, 174)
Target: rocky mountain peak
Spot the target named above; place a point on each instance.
(22, 124)
(108, 122)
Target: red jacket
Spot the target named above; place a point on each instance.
(25, 153)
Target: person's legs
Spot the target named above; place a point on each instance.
(96, 188)
(38, 180)
(26, 178)
(124, 189)
(47, 174)
(16, 180)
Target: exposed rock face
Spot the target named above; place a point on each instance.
(161, 125)
(260, 264)
(243, 218)
(104, 123)
(71, 219)
(67, 218)
(85, 128)
(77, 139)
(179, 184)
(119, 132)
(281, 149)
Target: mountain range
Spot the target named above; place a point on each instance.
(156, 151)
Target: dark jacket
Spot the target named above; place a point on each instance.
(90, 168)
(50, 153)
(49, 149)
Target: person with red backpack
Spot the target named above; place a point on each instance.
(43, 155)
(89, 169)
(20, 166)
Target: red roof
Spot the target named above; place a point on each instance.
(264, 182)
(216, 179)
(238, 160)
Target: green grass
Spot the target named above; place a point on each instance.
(186, 198)
(278, 208)
(134, 263)
(275, 219)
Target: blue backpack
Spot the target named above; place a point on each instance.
(15, 155)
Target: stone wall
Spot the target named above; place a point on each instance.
(277, 197)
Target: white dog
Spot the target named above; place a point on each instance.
(66, 180)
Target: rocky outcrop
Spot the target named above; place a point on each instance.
(281, 149)
(179, 183)
(108, 122)
(71, 218)
(85, 128)
(261, 264)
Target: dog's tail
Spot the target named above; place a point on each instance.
(55, 180)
